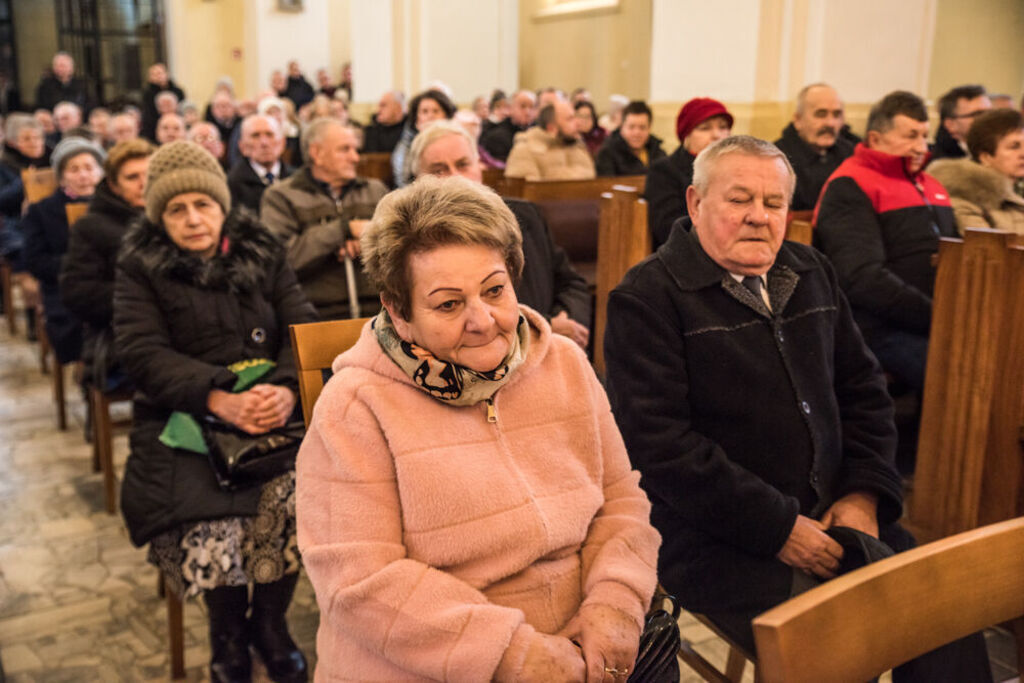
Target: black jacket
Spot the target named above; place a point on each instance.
(812, 169)
(946, 146)
(299, 91)
(50, 91)
(87, 272)
(616, 158)
(499, 138)
(45, 227)
(178, 322)
(739, 418)
(880, 228)
(549, 284)
(665, 191)
(150, 116)
(247, 187)
(381, 138)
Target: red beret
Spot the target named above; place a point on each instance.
(697, 111)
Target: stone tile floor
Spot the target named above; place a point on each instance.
(77, 601)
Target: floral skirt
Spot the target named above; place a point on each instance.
(232, 551)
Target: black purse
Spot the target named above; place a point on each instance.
(659, 644)
(240, 460)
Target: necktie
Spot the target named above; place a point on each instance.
(269, 178)
(753, 283)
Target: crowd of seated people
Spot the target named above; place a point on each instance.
(210, 231)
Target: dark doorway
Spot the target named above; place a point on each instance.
(9, 91)
(112, 42)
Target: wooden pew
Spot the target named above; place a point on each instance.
(39, 183)
(376, 165)
(494, 178)
(571, 209)
(970, 455)
(800, 226)
(623, 241)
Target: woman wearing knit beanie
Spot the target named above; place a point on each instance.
(78, 166)
(700, 122)
(202, 304)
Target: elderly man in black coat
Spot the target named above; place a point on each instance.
(262, 144)
(749, 402)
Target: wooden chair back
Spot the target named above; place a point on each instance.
(315, 346)
(623, 241)
(75, 211)
(39, 183)
(551, 190)
(860, 625)
(800, 226)
(970, 455)
(494, 178)
(376, 165)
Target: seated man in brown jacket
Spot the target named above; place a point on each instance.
(320, 211)
(552, 150)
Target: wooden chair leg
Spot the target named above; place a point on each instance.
(176, 634)
(58, 395)
(94, 409)
(103, 444)
(734, 665)
(44, 341)
(7, 282)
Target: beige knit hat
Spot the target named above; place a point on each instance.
(180, 167)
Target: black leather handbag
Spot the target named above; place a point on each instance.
(659, 645)
(240, 460)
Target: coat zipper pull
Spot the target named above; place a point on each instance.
(492, 414)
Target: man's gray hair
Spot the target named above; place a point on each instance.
(166, 95)
(400, 98)
(271, 121)
(431, 134)
(801, 97)
(316, 131)
(18, 122)
(746, 145)
(64, 104)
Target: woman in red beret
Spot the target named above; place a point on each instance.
(700, 122)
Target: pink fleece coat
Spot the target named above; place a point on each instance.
(439, 543)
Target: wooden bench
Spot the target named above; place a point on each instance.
(970, 455)
(376, 165)
(800, 226)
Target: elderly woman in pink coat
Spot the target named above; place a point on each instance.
(466, 509)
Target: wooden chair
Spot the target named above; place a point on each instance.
(494, 178)
(39, 183)
(862, 624)
(315, 346)
(103, 440)
(800, 226)
(623, 240)
(7, 283)
(970, 455)
(376, 165)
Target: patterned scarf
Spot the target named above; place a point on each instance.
(444, 380)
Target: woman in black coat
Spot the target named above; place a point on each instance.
(197, 292)
(700, 122)
(76, 162)
(630, 149)
(87, 273)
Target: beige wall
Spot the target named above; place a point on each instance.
(36, 24)
(201, 38)
(606, 51)
(975, 46)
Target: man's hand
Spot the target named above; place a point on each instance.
(351, 247)
(564, 325)
(810, 549)
(856, 510)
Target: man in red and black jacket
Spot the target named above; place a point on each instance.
(879, 220)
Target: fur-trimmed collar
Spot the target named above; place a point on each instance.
(981, 185)
(251, 252)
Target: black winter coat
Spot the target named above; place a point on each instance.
(51, 91)
(549, 284)
(946, 146)
(87, 272)
(812, 169)
(46, 241)
(739, 418)
(178, 322)
(616, 158)
(247, 187)
(499, 138)
(665, 191)
(380, 138)
(150, 115)
(299, 91)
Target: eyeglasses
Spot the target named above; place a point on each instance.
(970, 115)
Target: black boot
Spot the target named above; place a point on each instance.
(268, 630)
(229, 635)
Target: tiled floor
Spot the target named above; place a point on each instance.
(77, 601)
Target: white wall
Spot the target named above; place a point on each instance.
(370, 30)
(273, 38)
(701, 48)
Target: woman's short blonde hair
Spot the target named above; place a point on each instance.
(430, 213)
(122, 153)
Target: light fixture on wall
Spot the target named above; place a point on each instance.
(289, 5)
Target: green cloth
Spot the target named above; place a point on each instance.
(183, 431)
